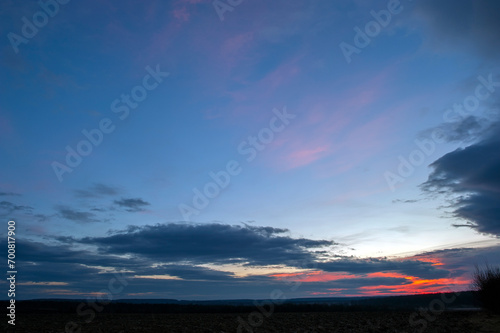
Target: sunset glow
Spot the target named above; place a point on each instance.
(221, 150)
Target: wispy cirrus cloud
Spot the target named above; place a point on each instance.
(332, 129)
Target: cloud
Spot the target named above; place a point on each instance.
(97, 190)
(76, 216)
(306, 156)
(471, 24)
(465, 130)
(4, 194)
(182, 10)
(188, 272)
(461, 261)
(405, 201)
(72, 272)
(7, 208)
(209, 243)
(68, 267)
(41, 217)
(374, 265)
(132, 204)
(472, 175)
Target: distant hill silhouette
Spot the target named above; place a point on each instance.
(393, 303)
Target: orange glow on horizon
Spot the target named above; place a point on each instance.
(410, 285)
(417, 286)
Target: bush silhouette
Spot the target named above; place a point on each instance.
(487, 283)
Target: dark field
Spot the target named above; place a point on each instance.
(398, 321)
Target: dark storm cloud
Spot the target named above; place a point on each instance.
(204, 243)
(76, 216)
(132, 204)
(472, 24)
(417, 268)
(97, 190)
(7, 208)
(473, 175)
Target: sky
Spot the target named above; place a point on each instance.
(224, 149)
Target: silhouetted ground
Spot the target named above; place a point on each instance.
(399, 321)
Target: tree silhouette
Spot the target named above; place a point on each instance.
(486, 280)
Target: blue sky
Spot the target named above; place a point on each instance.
(212, 128)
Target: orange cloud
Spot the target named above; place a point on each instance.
(411, 285)
(387, 274)
(417, 286)
(433, 260)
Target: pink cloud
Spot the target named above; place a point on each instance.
(283, 74)
(330, 128)
(306, 156)
(343, 130)
(160, 42)
(236, 43)
(234, 48)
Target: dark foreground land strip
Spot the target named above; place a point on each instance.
(300, 322)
